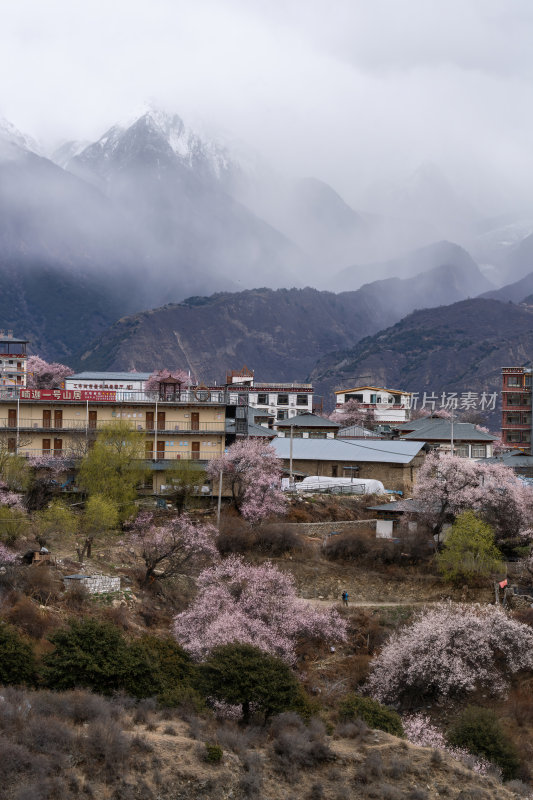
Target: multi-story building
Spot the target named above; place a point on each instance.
(387, 405)
(277, 400)
(13, 360)
(516, 407)
(62, 422)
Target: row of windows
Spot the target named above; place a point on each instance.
(516, 437)
(518, 380)
(282, 399)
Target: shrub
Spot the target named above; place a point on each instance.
(478, 730)
(372, 712)
(349, 546)
(159, 667)
(30, 619)
(17, 663)
(87, 653)
(469, 550)
(297, 745)
(40, 583)
(240, 674)
(275, 540)
(213, 753)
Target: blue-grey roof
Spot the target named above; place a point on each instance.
(441, 430)
(110, 376)
(306, 420)
(392, 452)
(511, 458)
(359, 432)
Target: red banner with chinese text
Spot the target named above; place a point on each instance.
(95, 395)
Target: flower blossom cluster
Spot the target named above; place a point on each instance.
(171, 546)
(240, 602)
(10, 499)
(6, 556)
(451, 650)
(420, 731)
(448, 485)
(253, 470)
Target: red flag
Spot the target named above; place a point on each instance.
(502, 584)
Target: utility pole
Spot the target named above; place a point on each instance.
(291, 479)
(451, 436)
(219, 498)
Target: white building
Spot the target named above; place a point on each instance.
(127, 385)
(388, 405)
(13, 360)
(277, 400)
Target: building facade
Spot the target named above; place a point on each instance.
(278, 400)
(516, 407)
(13, 360)
(63, 422)
(387, 405)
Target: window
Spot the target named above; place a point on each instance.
(514, 380)
(479, 451)
(317, 435)
(513, 436)
(513, 419)
(262, 399)
(301, 399)
(282, 414)
(526, 436)
(527, 381)
(283, 400)
(358, 397)
(462, 451)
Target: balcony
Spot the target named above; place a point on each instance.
(188, 397)
(69, 457)
(170, 428)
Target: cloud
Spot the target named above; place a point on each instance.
(350, 91)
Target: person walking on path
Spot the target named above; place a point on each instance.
(345, 597)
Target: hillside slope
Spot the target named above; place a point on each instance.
(456, 348)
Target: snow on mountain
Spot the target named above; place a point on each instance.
(13, 141)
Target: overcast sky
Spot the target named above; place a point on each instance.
(351, 91)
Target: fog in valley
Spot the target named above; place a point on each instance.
(181, 148)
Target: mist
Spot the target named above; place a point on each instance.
(352, 93)
(346, 136)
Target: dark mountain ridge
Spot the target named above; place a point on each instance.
(456, 348)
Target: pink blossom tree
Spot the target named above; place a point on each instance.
(12, 500)
(423, 733)
(254, 473)
(7, 556)
(171, 547)
(451, 650)
(354, 413)
(42, 375)
(448, 485)
(240, 602)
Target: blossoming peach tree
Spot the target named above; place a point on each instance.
(254, 473)
(250, 604)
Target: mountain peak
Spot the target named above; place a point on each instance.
(12, 137)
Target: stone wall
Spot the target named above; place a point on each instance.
(322, 528)
(95, 584)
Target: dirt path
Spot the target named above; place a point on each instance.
(369, 604)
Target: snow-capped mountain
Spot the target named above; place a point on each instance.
(13, 142)
(161, 135)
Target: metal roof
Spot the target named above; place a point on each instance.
(306, 420)
(440, 430)
(110, 376)
(392, 452)
(398, 506)
(512, 458)
(357, 431)
(374, 389)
